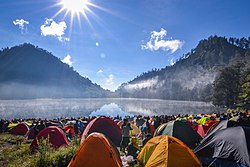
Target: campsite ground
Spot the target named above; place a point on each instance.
(15, 152)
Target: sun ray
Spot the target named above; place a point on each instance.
(65, 14)
(57, 13)
(71, 23)
(81, 10)
(76, 8)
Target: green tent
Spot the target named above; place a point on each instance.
(181, 131)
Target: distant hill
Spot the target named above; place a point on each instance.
(31, 72)
(191, 77)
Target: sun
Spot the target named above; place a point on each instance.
(78, 9)
(75, 6)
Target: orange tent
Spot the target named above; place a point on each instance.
(69, 128)
(167, 151)
(96, 150)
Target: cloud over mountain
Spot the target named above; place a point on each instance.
(51, 28)
(158, 42)
(143, 84)
(67, 60)
(21, 24)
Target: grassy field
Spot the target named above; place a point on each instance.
(15, 152)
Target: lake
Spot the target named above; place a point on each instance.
(56, 108)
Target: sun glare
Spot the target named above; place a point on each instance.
(79, 9)
(75, 6)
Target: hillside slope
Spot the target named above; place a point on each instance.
(31, 72)
(190, 78)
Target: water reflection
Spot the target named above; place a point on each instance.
(56, 108)
(111, 109)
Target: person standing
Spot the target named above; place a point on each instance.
(125, 135)
(76, 128)
(40, 126)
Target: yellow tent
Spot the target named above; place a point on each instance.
(167, 151)
(203, 120)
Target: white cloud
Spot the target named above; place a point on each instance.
(143, 84)
(171, 61)
(157, 42)
(67, 60)
(99, 72)
(63, 39)
(21, 23)
(51, 28)
(110, 80)
(109, 83)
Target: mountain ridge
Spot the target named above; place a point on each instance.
(31, 72)
(191, 77)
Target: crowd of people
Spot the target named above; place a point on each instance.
(130, 144)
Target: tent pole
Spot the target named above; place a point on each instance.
(212, 162)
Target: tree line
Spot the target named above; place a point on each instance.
(240, 42)
(231, 88)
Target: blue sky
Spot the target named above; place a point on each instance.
(120, 39)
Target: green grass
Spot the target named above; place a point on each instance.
(15, 152)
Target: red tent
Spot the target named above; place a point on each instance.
(55, 136)
(105, 126)
(31, 133)
(211, 122)
(201, 129)
(21, 129)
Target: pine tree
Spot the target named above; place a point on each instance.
(227, 86)
(245, 92)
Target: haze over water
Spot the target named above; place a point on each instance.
(56, 108)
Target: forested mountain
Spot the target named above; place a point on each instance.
(27, 71)
(31, 72)
(191, 77)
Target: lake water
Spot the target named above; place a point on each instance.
(56, 108)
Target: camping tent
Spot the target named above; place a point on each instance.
(53, 134)
(230, 144)
(31, 133)
(221, 125)
(167, 151)
(96, 150)
(203, 120)
(105, 126)
(20, 129)
(201, 129)
(181, 131)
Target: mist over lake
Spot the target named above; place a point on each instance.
(56, 108)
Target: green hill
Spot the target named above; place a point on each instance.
(191, 77)
(31, 72)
